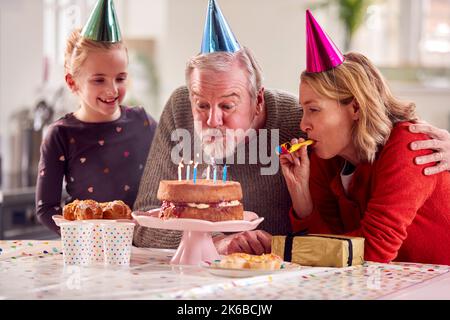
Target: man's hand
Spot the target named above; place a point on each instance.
(440, 142)
(251, 242)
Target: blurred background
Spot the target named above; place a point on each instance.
(409, 40)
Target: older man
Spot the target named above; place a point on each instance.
(224, 92)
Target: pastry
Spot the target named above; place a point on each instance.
(115, 210)
(247, 261)
(91, 209)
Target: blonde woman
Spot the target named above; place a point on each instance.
(361, 178)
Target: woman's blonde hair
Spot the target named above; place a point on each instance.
(78, 48)
(358, 80)
(222, 61)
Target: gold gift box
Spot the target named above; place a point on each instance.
(320, 250)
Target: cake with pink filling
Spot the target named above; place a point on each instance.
(205, 200)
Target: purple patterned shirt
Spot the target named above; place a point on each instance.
(100, 161)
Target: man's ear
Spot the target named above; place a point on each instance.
(71, 82)
(260, 101)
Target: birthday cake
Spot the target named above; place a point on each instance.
(204, 199)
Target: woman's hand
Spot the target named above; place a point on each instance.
(296, 170)
(295, 166)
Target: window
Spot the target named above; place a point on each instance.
(407, 32)
(60, 18)
(408, 39)
(435, 42)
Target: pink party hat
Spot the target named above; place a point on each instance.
(321, 53)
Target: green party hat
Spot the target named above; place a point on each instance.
(103, 24)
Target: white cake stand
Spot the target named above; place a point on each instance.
(196, 244)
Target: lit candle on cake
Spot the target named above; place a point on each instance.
(208, 169)
(195, 172)
(180, 165)
(188, 170)
(224, 175)
(215, 174)
(208, 172)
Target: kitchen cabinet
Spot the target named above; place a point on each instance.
(17, 216)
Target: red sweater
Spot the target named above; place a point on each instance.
(402, 214)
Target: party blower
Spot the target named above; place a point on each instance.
(287, 147)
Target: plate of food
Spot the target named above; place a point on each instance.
(241, 265)
(94, 212)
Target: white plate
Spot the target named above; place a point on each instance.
(244, 273)
(59, 219)
(150, 219)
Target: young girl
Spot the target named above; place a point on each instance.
(361, 179)
(101, 148)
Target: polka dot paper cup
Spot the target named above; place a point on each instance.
(77, 242)
(117, 239)
(97, 243)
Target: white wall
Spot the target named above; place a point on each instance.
(273, 30)
(21, 62)
(141, 18)
(433, 104)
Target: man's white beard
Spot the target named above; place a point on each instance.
(215, 143)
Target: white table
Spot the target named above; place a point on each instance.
(35, 270)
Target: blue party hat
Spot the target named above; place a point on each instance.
(217, 35)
